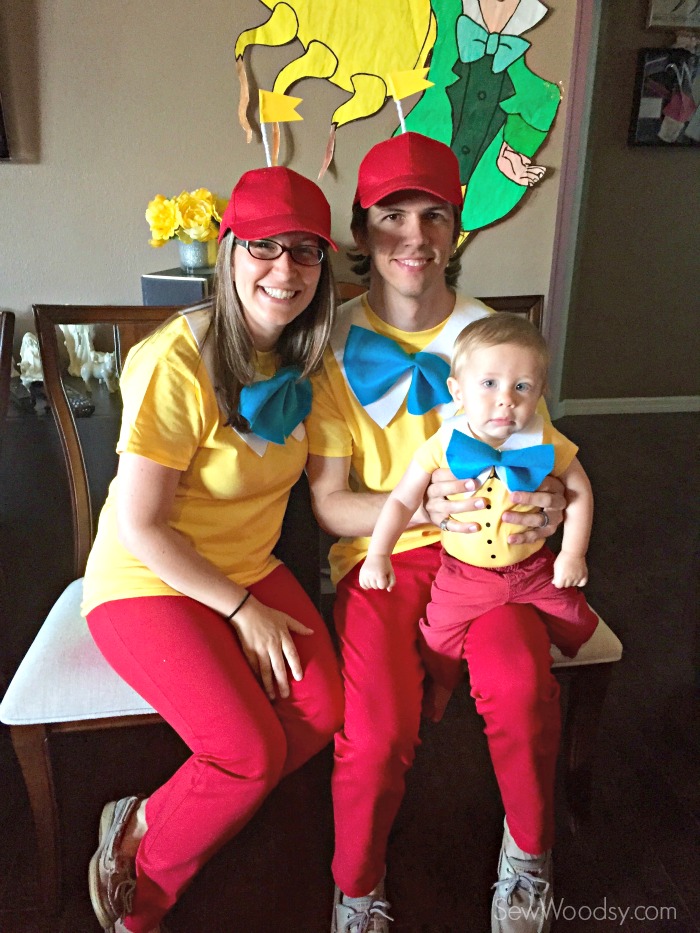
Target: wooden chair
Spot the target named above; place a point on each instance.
(63, 683)
(7, 330)
(588, 674)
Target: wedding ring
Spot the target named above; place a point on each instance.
(545, 519)
(443, 524)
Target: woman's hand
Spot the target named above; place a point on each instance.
(549, 498)
(264, 634)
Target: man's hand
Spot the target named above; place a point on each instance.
(376, 573)
(549, 498)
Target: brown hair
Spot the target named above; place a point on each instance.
(301, 344)
(496, 329)
(361, 263)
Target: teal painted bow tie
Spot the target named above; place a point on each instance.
(521, 470)
(374, 363)
(474, 42)
(274, 407)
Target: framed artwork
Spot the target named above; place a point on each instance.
(665, 110)
(674, 14)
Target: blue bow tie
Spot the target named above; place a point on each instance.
(523, 469)
(274, 407)
(374, 363)
(474, 42)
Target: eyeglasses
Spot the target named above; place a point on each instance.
(303, 254)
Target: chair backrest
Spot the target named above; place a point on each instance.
(128, 324)
(529, 305)
(7, 330)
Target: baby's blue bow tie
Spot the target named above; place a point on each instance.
(521, 470)
(474, 42)
(374, 363)
(274, 407)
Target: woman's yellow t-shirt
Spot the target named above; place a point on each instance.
(229, 502)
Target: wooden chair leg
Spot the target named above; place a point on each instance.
(32, 750)
(587, 688)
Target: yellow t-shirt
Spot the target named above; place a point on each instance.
(229, 502)
(339, 426)
(489, 547)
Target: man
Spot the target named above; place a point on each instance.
(374, 404)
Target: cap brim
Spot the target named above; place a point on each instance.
(272, 226)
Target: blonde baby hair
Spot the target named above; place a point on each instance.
(495, 329)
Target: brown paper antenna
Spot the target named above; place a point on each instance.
(243, 100)
(330, 149)
(275, 143)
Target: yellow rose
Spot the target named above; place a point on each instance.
(195, 214)
(163, 219)
(220, 205)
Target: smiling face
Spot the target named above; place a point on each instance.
(273, 292)
(410, 238)
(499, 388)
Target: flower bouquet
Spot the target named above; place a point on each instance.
(193, 218)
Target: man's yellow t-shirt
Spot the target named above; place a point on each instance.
(339, 426)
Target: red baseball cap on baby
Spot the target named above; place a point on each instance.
(269, 201)
(409, 162)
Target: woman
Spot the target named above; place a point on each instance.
(183, 595)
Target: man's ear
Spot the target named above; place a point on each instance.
(455, 391)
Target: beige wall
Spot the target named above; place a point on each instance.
(111, 103)
(633, 320)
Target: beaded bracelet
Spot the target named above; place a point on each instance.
(239, 606)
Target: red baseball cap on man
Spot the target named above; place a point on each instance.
(268, 201)
(409, 162)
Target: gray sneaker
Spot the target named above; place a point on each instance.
(361, 914)
(522, 900)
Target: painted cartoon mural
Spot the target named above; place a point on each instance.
(349, 43)
(485, 103)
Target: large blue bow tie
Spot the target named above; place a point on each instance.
(521, 470)
(374, 363)
(274, 407)
(474, 42)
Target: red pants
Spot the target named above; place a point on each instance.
(186, 661)
(508, 654)
(462, 592)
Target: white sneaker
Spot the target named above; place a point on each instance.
(361, 914)
(522, 899)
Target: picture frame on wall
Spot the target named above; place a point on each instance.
(666, 105)
(674, 14)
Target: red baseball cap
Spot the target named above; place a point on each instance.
(409, 162)
(269, 201)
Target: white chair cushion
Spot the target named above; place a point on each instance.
(63, 677)
(603, 647)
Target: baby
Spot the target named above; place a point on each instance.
(498, 375)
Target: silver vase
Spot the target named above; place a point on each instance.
(197, 256)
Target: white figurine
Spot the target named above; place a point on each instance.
(84, 360)
(30, 369)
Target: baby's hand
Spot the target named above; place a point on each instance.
(570, 570)
(376, 574)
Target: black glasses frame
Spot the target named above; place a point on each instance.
(318, 251)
